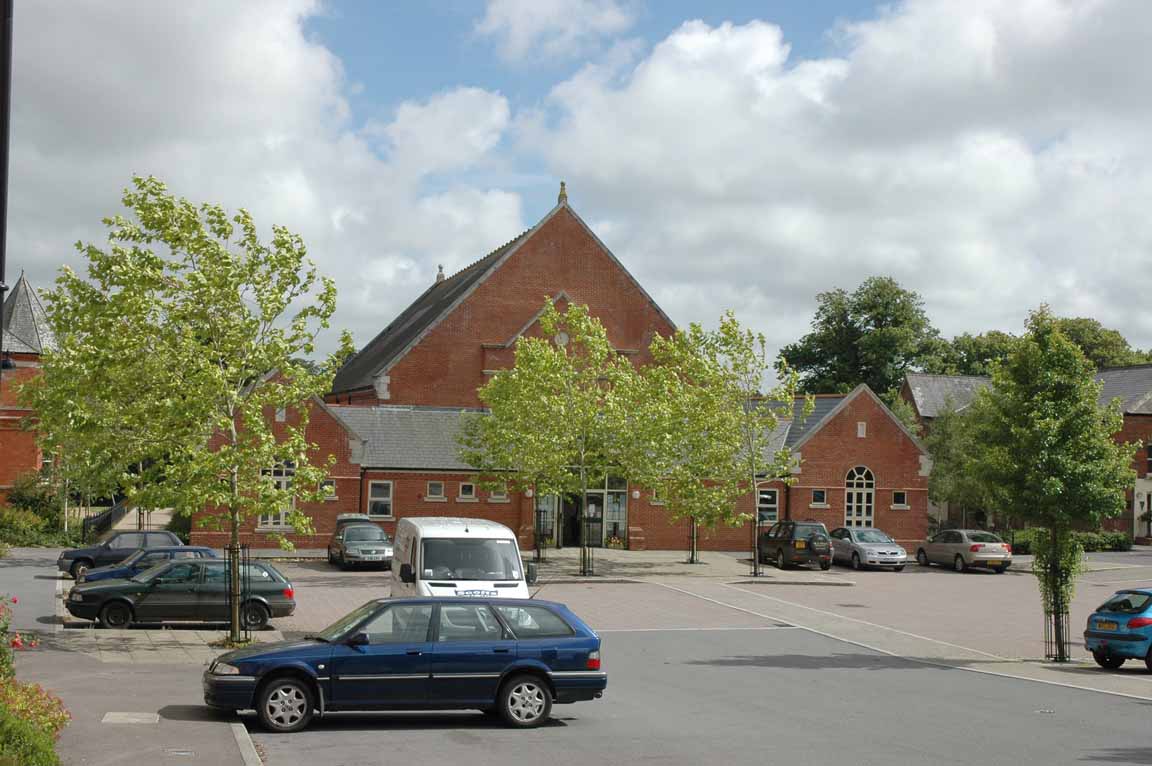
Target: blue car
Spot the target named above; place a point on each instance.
(508, 657)
(1121, 629)
(145, 558)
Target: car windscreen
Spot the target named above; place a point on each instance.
(804, 531)
(348, 621)
(470, 559)
(1126, 603)
(983, 537)
(365, 534)
(149, 574)
(872, 536)
(133, 558)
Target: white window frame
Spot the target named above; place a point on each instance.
(499, 495)
(860, 497)
(469, 498)
(281, 476)
(437, 498)
(821, 503)
(281, 414)
(329, 484)
(391, 499)
(774, 506)
(654, 498)
(898, 506)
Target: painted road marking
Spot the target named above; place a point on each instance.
(130, 718)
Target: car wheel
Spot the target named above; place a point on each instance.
(856, 562)
(525, 701)
(958, 563)
(116, 615)
(1106, 660)
(922, 558)
(331, 559)
(780, 560)
(898, 569)
(285, 705)
(342, 562)
(1148, 660)
(254, 615)
(826, 565)
(79, 567)
(999, 570)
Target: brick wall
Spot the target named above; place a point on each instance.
(18, 451)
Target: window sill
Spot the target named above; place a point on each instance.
(499, 500)
(900, 507)
(381, 518)
(467, 499)
(435, 499)
(276, 529)
(331, 499)
(824, 506)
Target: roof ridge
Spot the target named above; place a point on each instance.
(487, 255)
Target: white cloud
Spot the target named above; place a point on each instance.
(990, 155)
(231, 102)
(553, 28)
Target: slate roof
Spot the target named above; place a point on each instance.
(405, 437)
(1131, 385)
(24, 321)
(822, 406)
(392, 341)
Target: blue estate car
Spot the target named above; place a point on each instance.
(1121, 629)
(143, 559)
(510, 657)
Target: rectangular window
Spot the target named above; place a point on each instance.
(1148, 452)
(861, 429)
(468, 622)
(820, 497)
(435, 490)
(467, 491)
(535, 622)
(499, 495)
(900, 499)
(328, 487)
(281, 414)
(768, 507)
(657, 497)
(380, 499)
(281, 478)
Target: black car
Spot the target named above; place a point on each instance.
(511, 657)
(796, 542)
(184, 591)
(113, 548)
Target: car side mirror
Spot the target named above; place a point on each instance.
(531, 575)
(358, 639)
(406, 574)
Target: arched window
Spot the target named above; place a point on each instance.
(859, 497)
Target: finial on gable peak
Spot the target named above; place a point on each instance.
(563, 198)
(440, 274)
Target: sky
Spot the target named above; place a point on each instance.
(735, 155)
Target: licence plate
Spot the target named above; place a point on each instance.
(1108, 625)
(801, 544)
(993, 562)
(371, 558)
(478, 593)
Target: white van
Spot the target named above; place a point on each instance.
(448, 556)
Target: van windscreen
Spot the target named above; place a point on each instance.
(470, 559)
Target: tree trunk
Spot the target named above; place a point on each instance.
(693, 544)
(1057, 575)
(586, 567)
(234, 566)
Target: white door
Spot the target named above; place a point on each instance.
(859, 497)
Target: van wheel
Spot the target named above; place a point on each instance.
(922, 558)
(525, 701)
(285, 705)
(1107, 661)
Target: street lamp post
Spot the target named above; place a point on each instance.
(5, 121)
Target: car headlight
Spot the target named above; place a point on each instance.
(352, 553)
(74, 596)
(224, 669)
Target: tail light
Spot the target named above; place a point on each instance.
(1007, 547)
(975, 547)
(593, 660)
(289, 592)
(1140, 622)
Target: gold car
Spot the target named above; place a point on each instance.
(963, 549)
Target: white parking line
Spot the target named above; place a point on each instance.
(699, 630)
(1116, 582)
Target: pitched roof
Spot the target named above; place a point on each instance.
(935, 393)
(24, 321)
(405, 437)
(425, 311)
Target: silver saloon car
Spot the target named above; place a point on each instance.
(963, 549)
(864, 547)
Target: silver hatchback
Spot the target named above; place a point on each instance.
(864, 547)
(962, 549)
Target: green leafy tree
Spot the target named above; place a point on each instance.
(557, 416)
(174, 352)
(954, 480)
(975, 354)
(1044, 448)
(1103, 347)
(873, 335)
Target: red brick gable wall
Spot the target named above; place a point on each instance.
(886, 450)
(447, 366)
(18, 451)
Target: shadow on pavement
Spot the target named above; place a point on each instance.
(193, 713)
(402, 722)
(814, 662)
(1120, 755)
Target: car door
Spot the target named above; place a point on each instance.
(943, 546)
(471, 650)
(392, 668)
(841, 544)
(212, 595)
(170, 595)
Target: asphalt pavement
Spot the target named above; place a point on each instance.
(756, 696)
(30, 575)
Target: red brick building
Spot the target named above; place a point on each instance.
(25, 337)
(931, 395)
(394, 413)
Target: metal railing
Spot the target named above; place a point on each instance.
(103, 521)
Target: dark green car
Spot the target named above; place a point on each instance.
(184, 591)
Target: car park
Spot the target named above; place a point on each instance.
(510, 657)
(145, 558)
(1121, 629)
(786, 543)
(113, 547)
(865, 547)
(964, 549)
(184, 591)
(360, 544)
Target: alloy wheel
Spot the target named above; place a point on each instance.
(526, 701)
(285, 706)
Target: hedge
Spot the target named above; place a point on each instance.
(1092, 541)
(22, 743)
